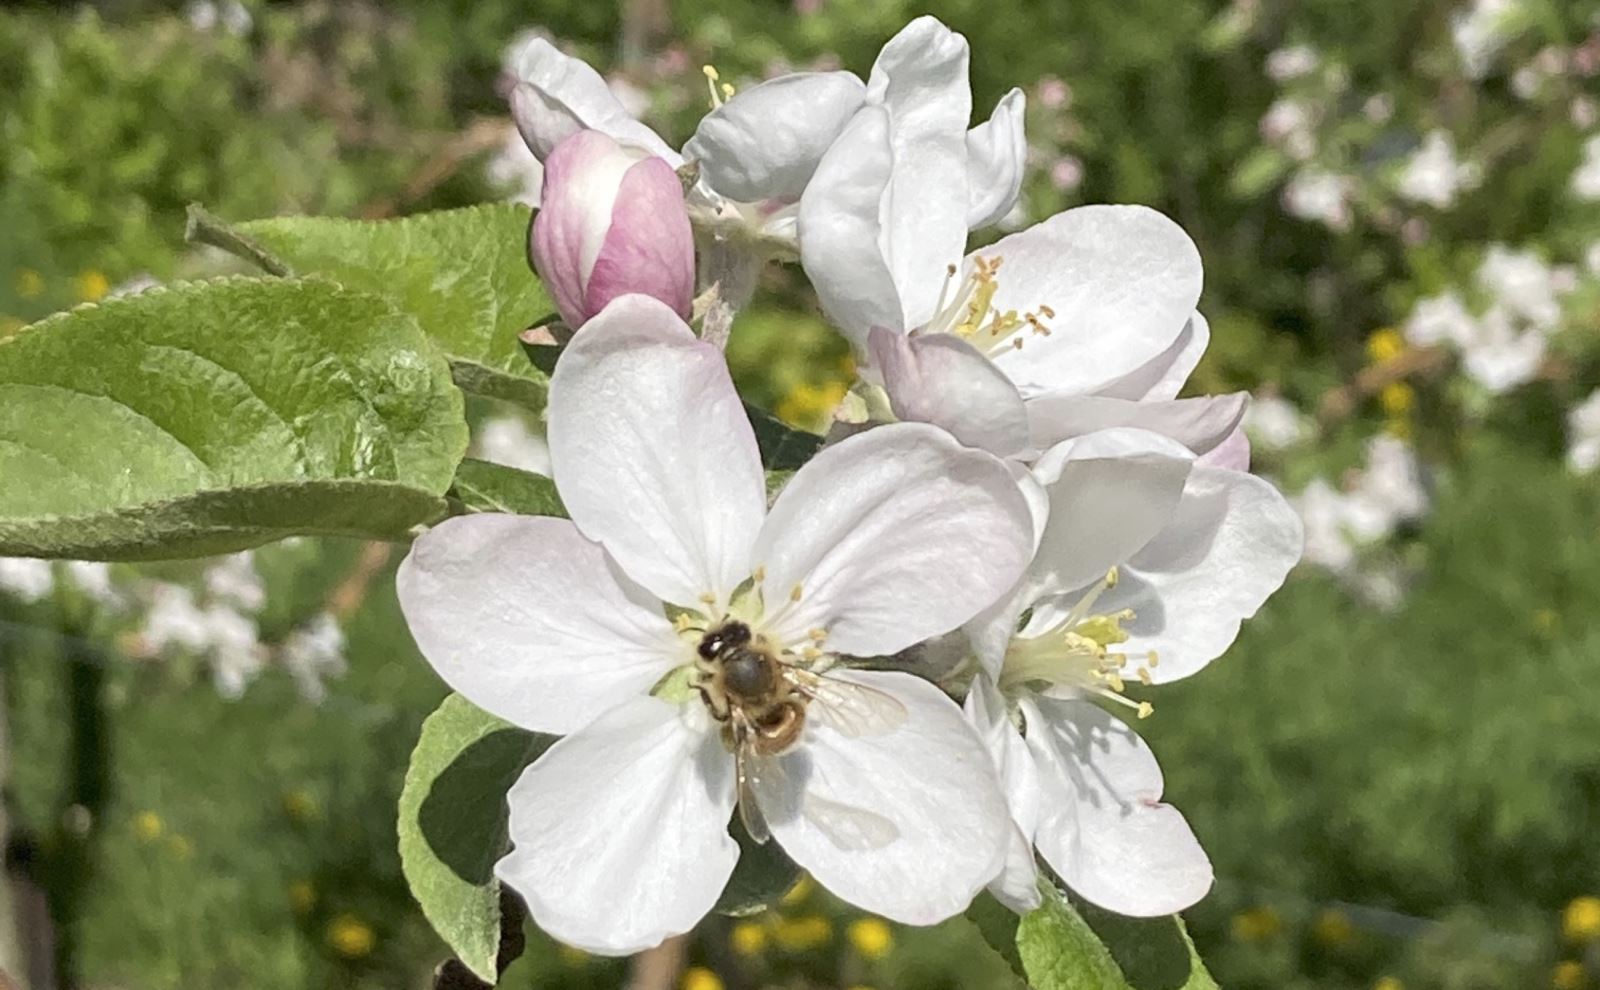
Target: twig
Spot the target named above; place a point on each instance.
(660, 967)
(348, 595)
(479, 136)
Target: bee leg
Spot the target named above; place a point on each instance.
(720, 713)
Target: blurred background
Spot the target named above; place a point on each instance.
(1397, 768)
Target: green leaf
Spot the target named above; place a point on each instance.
(452, 824)
(209, 417)
(783, 448)
(482, 486)
(762, 876)
(463, 273)
(998, 926)
(1070, 946)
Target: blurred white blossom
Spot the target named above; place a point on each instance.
(235, 580)
(26, 578)
(312, 654)
(1273, 422)
(515, 169)
(1480, 32)
(1583, 435)
(1291, 125)
(1320, 196)
(508, 440)
(93, 578)
(1524, 284)
(1438, 320)
(1292, 63)
(1586, 180)
(1433, 175)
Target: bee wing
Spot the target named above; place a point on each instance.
(849, 828)
(849, 708)
(750, 769)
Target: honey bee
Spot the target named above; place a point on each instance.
(762, 701)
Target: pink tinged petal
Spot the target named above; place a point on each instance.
(1228, 546)
(908, 823)
(1110, 493)
(1232, 454)
(893, 536)
(557, 95)
(582, 180)
(941, 379)
(650, 247)
(530, 621)
(653, 454)
(1102, 825)
(765, 143)
(996, 160)
(920, 78)
(1122, 282)
(1163, 376)
(839, 229)
(1200, 424)
(620, 830)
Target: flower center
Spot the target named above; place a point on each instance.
(969, 311)
(1076, 653)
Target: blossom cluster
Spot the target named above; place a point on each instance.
(913, 665)
(213, 620)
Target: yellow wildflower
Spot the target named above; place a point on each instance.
(1385, 345)
(302, 897)
(748, 938)
(147, 825)
(1397, 399)
(1333, 928)
(299, 806)
(871, 937)
(350, 937)
(1580, 922)
(1256, 924)
(700, 978)
(802, 934)
(1567, 975)
(92, 286)
(1388, 983)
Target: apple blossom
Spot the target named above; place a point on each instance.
(1146, 566)
(616, 628)
(756, 150)
(1081, 322)
(611, 221)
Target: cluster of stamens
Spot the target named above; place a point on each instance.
(747, 606)
(969, 312)
(720, 94)
(1076, 653)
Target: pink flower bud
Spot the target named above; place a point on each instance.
(611, 222)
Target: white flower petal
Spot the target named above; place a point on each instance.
(530, 621)
(943, 380)
(920, 77)
(1110, 493)
(1122, 282)
(557, 96)
(986, 709)
(620, 830)
(653, 453)
(1163, 377)
(996, 160)
(1017, 886)
(766, 142)
(909, 823)
(1200, 423)
(839, 228)
(1102, 826)
(893, 536)
(1231, 541)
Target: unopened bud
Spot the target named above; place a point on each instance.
(611, 222)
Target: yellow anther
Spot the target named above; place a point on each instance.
(727, 91)
(818, 635)
(759, 574)
(1016, 344)
(950, 270)
(794, 593)
(708, 599)
(711, 72)
(1155, 659)
(1144, 676)
(811, 653)
(1047, 312)
(1115, 680)
(1146, 709)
